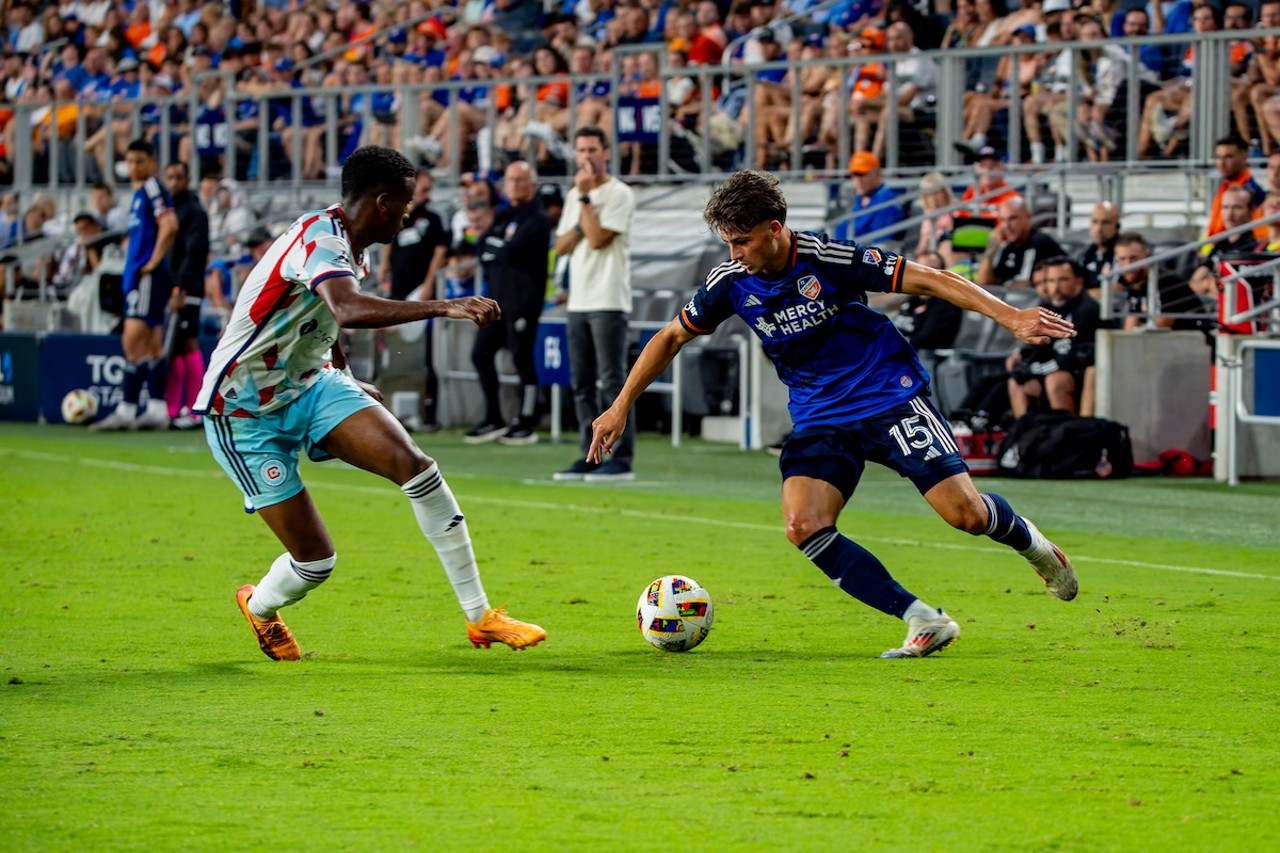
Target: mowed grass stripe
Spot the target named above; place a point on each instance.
(557, 506)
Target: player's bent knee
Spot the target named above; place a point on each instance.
(413, 465)
(800, 530)
(972, 520)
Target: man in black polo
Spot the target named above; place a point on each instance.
(409, 270)
(187, 258)
(1175, 294)
(1056, 371)
(1097, 258)
(1015, 247)
(513, 255)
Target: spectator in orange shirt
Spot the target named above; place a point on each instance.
(864, 104)
(138, 30)
(1232, 155)
(988, 169)
(708, 46)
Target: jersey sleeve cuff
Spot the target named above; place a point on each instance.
(895, 284)
(325, 276)
(689, 326)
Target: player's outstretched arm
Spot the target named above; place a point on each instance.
(654, 359)
(356, 310)
(1031, 325)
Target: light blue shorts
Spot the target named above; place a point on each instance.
(260, 454)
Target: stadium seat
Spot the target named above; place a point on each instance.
(980, 350)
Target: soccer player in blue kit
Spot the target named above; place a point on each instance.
(857, 392)
(278, 385)
(147, 285)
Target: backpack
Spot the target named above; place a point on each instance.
(1061, 446)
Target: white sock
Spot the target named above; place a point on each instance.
(1060, 153)
(1037, 152)
(287, 582)
(441, 521)
(918, 609)
(128, 411)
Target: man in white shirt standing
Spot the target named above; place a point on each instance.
(594, 234)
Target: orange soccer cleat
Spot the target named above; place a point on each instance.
(274, 637)
(497, 627)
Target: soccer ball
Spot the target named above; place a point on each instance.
(674, 613)
(79, 406)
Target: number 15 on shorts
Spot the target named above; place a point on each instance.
(912, 433)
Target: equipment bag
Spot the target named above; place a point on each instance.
(1061, 446)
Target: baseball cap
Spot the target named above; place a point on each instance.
(872, 36)
(127, 64)
(987, 152)
(257, 237)
(284, 63)
(1025, 30)
(487, 54)
(550, 194)
(397, 35)
(1051, 6)
(433, 27)
(764, 34)
(863, 162)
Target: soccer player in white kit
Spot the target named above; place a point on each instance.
(278, 383)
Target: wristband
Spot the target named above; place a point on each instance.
(584, 199)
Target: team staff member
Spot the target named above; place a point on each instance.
(410, 267)
(513, 253)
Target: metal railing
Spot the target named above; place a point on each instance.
(1151, 265)
(1210, 83)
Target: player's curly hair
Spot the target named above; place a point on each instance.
(745, 200)
(373, 170)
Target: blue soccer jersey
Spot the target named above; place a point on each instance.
(149, 203)
(840, 359)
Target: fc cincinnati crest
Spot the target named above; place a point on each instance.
(809, 287)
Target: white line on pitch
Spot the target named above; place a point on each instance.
(554, 506)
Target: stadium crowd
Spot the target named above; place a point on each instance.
(88, 59)
(86, 65)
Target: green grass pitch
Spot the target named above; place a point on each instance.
(137, 712)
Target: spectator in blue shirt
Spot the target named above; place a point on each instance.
(871, 192)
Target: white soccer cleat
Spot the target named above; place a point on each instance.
(1051, 565)
(117, 421)
(156, 416)
(926, 635)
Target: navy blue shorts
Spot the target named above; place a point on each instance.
(913, 439)
(149, 298)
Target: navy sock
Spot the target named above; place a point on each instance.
(135, 373)
(1005, 526)
(857, 571)
(157, 377)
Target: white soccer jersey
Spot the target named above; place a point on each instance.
(280, 333)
